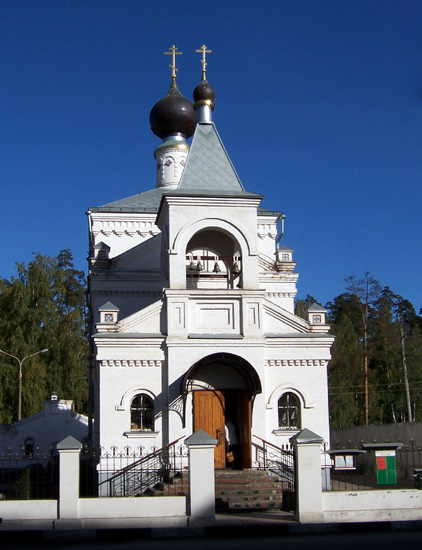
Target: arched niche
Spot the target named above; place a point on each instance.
(215, 236)
(213, 260)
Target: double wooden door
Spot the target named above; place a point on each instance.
(209, 415)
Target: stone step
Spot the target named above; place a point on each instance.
(235, 490)
(250, 483)
(247, 489)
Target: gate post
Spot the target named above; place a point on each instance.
(307, 448)
(201, 507)
(69, 450)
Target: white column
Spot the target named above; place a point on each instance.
(69, 452)
(201, 478)
(307, 447)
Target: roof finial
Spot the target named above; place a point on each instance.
(204, 63)
(173, 53)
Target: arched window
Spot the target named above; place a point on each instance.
(28, 447)
(142, 413)
(289, 412)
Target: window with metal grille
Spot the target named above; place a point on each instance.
(142, 413)
(289, 412)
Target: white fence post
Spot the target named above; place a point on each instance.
(201, 478)
(69, 450)
(307, 447)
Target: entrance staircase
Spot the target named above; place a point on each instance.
(237, 490)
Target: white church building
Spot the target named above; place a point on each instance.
(192, 301)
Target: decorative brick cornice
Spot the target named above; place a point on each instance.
(131, 363)
(264, 234)
(296, 362)
(280, 294)
(127, 293)
(107, 225)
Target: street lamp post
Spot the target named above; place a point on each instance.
(20, 361)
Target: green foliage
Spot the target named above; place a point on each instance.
(23, 485)
(344, 375)
(43, 307)
(378, 350)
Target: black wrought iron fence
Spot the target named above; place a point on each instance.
(28, 476)
(361, 466)
(135, 472)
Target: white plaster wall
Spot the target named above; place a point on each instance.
(122, 231)
(28, 509)
(132, 507)
(119, 384)
(392, 505)
(280, 289)
(309, 383)
(266, 245)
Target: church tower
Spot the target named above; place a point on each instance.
(193, 302)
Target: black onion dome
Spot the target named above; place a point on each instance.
(173, 115)
(203, 93)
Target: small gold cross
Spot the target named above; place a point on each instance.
(204, 63)
(173, 52)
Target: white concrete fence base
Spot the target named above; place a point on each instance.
(71, 512)
(313, 505)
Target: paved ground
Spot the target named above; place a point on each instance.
(358, 538)
(252, 530)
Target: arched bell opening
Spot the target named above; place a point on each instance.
(223, 387)
(213, 260)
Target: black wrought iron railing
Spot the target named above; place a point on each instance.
(157, 473)
(274, 459)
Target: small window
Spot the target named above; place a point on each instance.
(28, 447)
(289, 412)
(142, 413)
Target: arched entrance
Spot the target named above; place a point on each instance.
(223, 388)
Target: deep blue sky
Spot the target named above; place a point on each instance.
(318, 103)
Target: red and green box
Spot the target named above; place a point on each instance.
(386, 470)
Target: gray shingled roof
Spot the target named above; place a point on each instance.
(148, 201)
(208, 171)
(209, 168)
(317, 308)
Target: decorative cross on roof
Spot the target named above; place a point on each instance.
(173, 52)
(204, 63)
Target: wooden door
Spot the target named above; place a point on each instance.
(245, 429)
(208, 415)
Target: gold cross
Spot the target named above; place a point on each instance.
(173, 52)
(204, 63)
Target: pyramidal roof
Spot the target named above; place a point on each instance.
(208, 168)
(208, 171)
